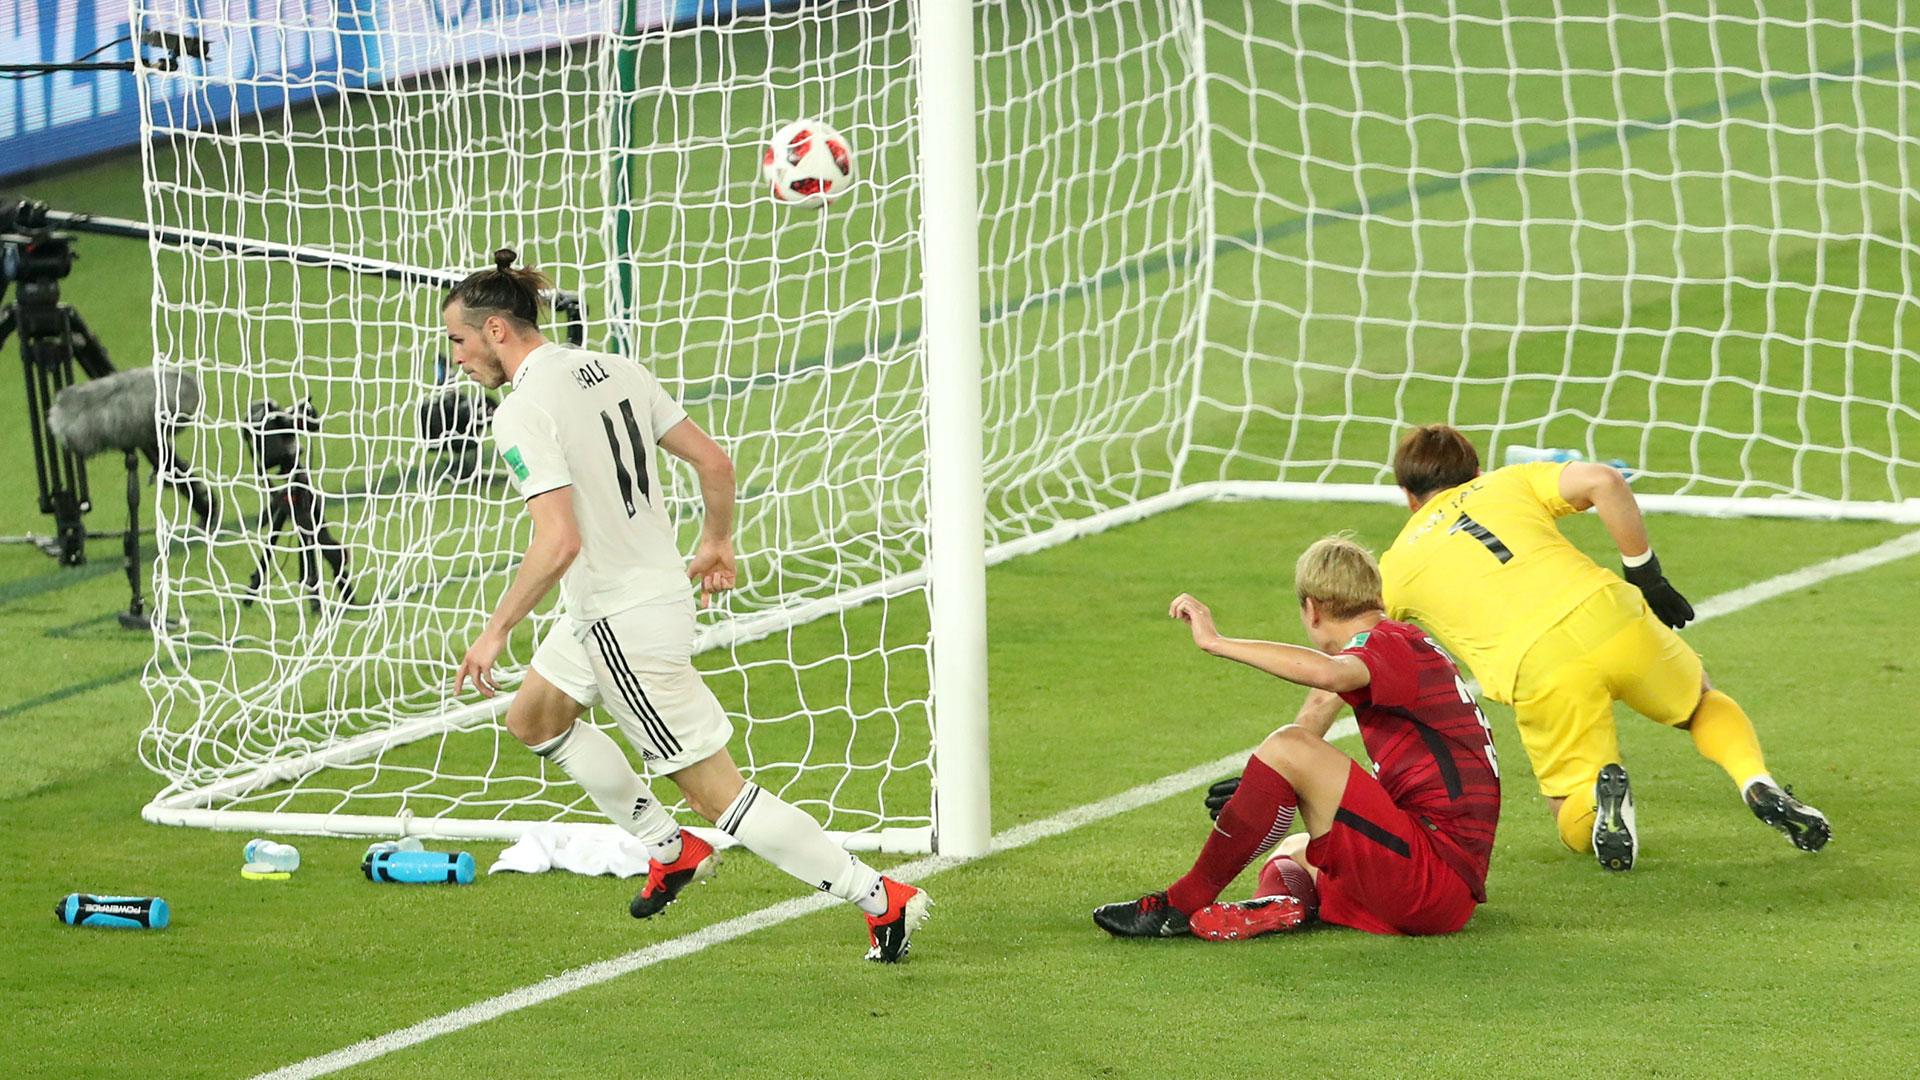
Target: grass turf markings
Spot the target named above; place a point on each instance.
(1019, 836)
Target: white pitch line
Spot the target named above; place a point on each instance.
(1729, 602)
(1017, 837)
(592, 974)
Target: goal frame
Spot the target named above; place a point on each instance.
(953, 575)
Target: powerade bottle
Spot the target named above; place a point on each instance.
(419, 867)
(126, 912)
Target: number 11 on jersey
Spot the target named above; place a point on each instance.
(619, 454)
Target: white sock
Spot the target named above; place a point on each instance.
(666, 851)
(862, 885)
(595, 762)
(1760, 778)
(789, 838)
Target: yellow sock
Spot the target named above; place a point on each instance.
(1576, 821)
(1723, 735)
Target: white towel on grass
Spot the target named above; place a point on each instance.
(591, 852)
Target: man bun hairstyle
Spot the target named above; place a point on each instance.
(516, 295)
(1434, 457)
(1340, 576)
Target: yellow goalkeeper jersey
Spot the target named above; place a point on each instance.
(1484, 566)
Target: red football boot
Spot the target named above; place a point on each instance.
(1247, 918)
(889, 936)
(696, 863)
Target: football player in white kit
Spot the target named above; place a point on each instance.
(578, 434)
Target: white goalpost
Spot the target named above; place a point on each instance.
(1103, 258)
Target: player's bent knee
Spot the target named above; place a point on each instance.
(540, 712)
(1573, 820)
(534, 729)
(1286, 748)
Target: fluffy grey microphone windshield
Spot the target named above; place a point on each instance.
(117, 412)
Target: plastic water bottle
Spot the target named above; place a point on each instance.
(1523, 455)
(282, 857)
(419, 867)
(405, 843)
(125, 912)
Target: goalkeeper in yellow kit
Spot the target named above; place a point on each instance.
(1482, 565)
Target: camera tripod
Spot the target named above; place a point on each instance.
(293, 501)
(53, 339)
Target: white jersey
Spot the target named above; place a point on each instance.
(591, 421)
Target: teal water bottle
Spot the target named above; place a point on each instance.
(419, 867)
(124, 912)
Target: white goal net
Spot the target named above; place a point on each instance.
(1227, 247)
(1673, 234)
(624, 159)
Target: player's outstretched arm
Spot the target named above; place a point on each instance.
(1307, 667)
(1584, 484)
(713, 565)
(556, 541)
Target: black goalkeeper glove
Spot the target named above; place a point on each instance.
(1665, 600)
(1219, 793)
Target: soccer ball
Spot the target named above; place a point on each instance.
(807, 163)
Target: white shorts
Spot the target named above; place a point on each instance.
(638, 665)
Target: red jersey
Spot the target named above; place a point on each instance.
(1431, 747)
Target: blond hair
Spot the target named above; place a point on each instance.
(1340, 576)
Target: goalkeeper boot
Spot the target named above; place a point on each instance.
(664, 881)
(1248, 918)
(1614, 841)
(1775, 805)
(1149, 916)
(890, 935)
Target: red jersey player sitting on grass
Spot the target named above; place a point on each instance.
(1401, 853)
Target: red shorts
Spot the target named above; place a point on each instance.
(1379, 871)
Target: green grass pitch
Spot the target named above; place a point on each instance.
(1725, 953)
(1725, 947)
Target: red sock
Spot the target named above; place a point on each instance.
(1284, 877)
(1254, 820)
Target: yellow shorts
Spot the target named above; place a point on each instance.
(1610, 648)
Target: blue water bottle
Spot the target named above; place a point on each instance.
(419, 867)
(127, 912)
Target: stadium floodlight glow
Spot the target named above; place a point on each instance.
(1221, 249)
